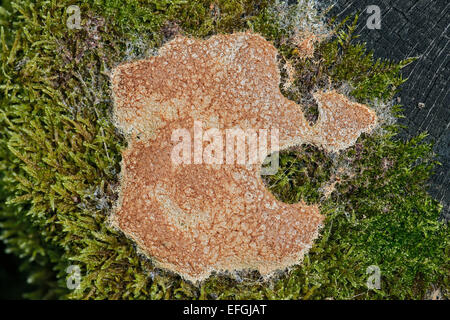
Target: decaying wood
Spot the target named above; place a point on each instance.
(415, 28)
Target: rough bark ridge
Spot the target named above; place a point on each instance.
(415, 28)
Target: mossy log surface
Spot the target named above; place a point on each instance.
(416, 28)
(60, 153)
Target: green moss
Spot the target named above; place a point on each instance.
(371, 79)
(60, 155)
(303, 171)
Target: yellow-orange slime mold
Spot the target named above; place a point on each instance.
(197, 218)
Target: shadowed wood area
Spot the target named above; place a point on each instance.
(415, 28)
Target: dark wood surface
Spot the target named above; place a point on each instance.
(415, 28)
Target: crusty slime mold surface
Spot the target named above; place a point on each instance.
(194, 219)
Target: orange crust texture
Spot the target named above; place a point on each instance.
(194, 219)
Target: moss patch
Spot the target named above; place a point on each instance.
(60, 157)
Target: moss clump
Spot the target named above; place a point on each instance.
(303, 171)
(60, 155)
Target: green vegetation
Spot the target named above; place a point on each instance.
(60, 159)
